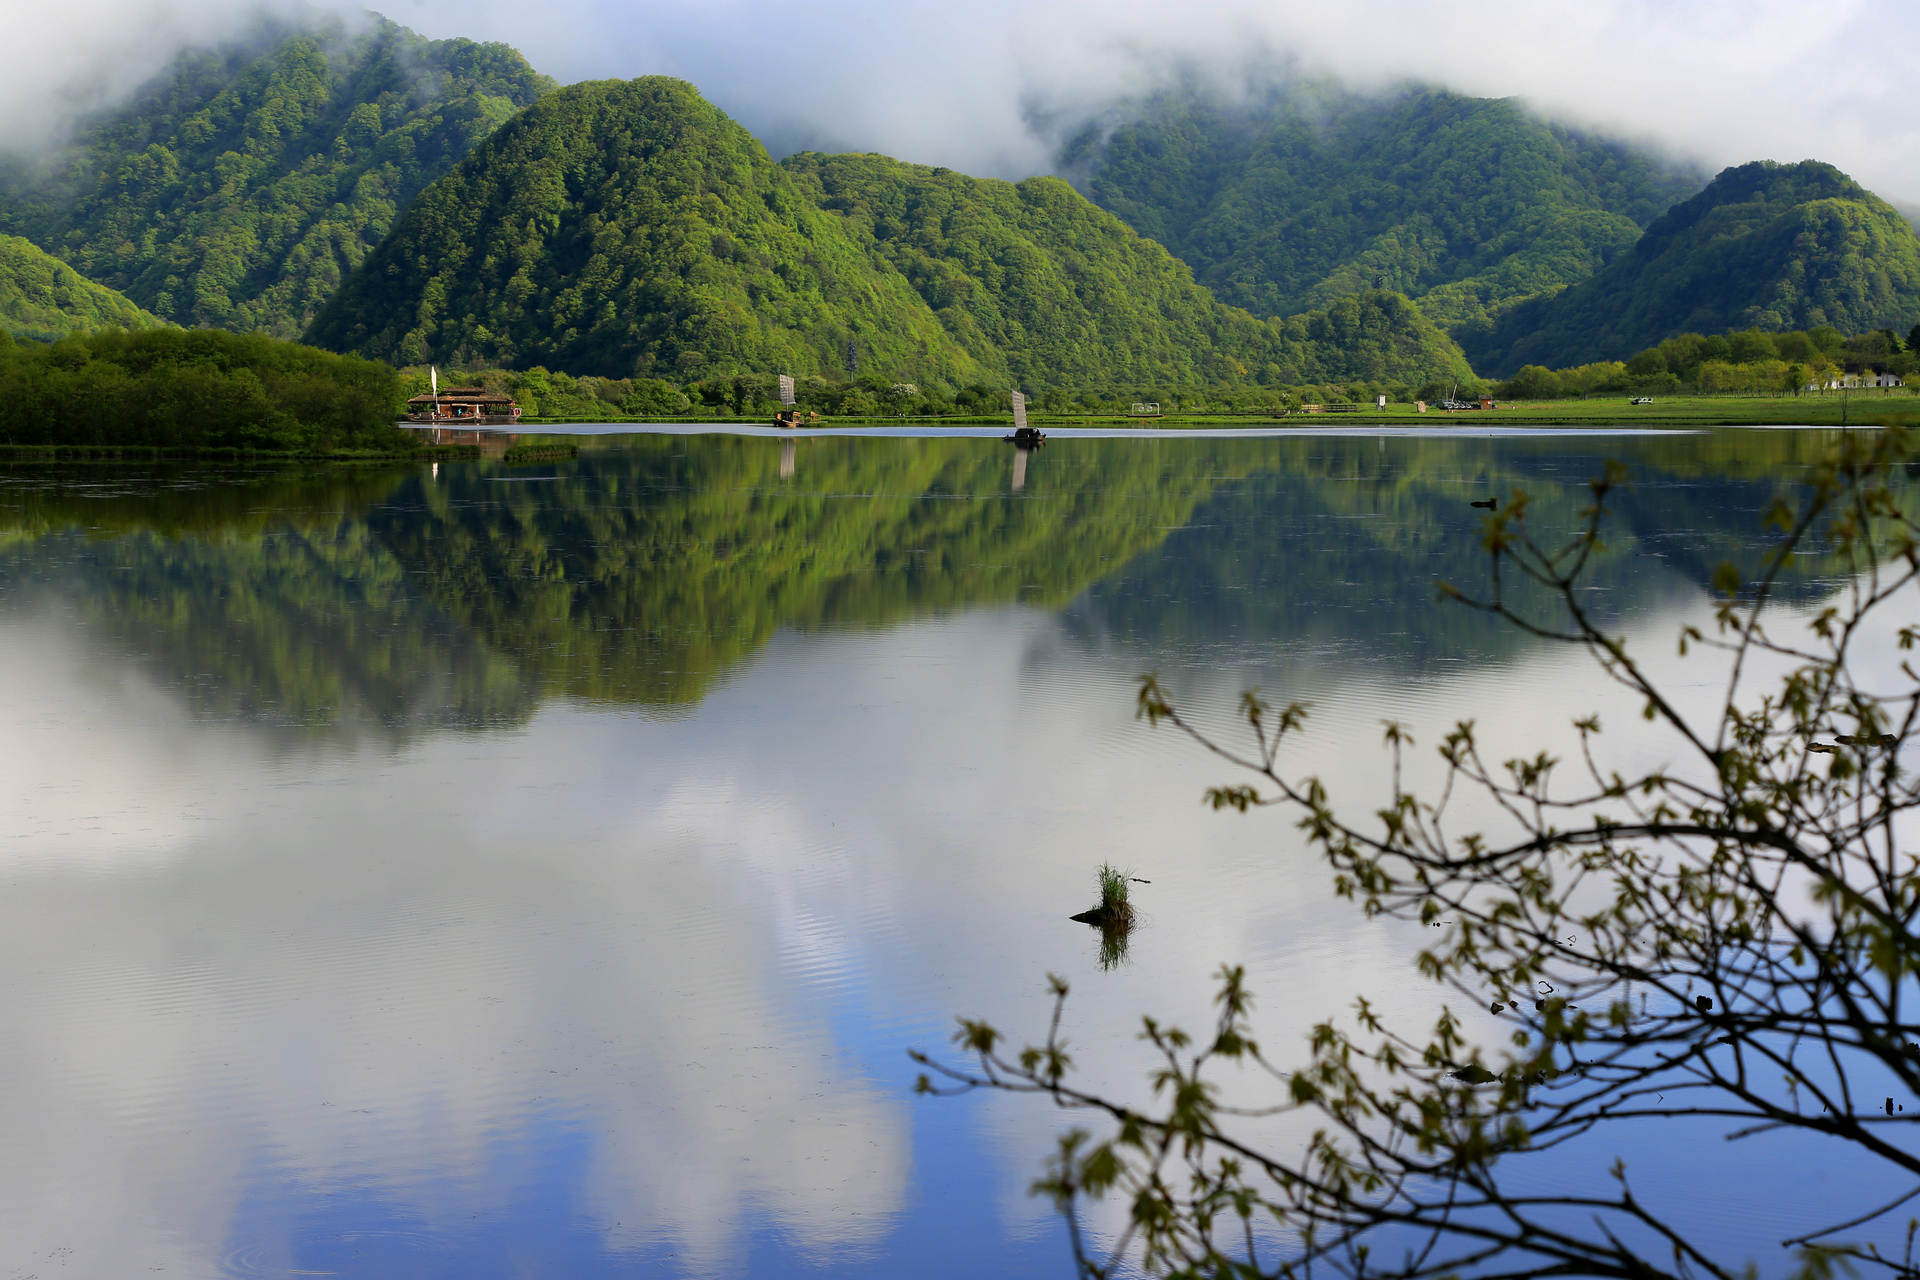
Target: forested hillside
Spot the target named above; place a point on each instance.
(1045, 286)
(630, 229)
(1035, 280)
(1288, 199)
(439, 201)
(42, 297)
(239, 190)
(1766, 246)
(624, 228)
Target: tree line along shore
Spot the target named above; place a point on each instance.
(208, 389)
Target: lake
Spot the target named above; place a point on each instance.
(477, 871)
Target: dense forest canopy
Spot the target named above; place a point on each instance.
(198, 388)
(240, 189)
(1067, 295)
(1040, 284)
(42, 297)
(1769, 246)
(1751, 361)
(624, 228)
(629, 229)
(1291, 196)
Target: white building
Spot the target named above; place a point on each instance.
(1855, 381)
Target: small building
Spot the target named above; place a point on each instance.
(1856, 382)
(465, 406)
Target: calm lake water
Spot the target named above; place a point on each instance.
(478, 871)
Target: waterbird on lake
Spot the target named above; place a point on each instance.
(1490, 504)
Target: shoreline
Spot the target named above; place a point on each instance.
(1060, 431)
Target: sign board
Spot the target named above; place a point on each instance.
(786, 390)
(1019, 411)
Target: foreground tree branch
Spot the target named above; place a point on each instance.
(1730, 939)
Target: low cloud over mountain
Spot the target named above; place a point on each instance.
(985, 88)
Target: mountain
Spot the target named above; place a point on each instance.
(625, 228)
(1766, 246)
(1292, 196)
(1046, 288)
(240, 188)
(1041, 285)
(43, 297)
(630, 228)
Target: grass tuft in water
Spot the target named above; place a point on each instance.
(1113, 893)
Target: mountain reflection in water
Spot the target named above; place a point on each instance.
(414, 874)
(644, 572)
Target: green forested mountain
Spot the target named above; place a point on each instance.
(238, 190)
(1291, 198)
(1037, 282)
(630, 229)
(1045, 287)
(43, 297)
(626, 228)
(1766, 246)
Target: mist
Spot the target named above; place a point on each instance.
(990, 88)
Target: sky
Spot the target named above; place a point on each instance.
(985, 87)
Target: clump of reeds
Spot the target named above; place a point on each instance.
(1115, 906)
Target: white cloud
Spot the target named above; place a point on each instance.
(1723, 81)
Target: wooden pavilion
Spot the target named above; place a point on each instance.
(464, 406)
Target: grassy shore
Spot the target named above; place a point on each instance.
(1832, 410)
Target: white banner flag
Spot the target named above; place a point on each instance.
(1019, 411)
(786, 390)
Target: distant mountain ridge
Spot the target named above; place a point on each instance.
(1295, 195)
(630, 228)
(240, 188)
(441, 200)
(1768, 246)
